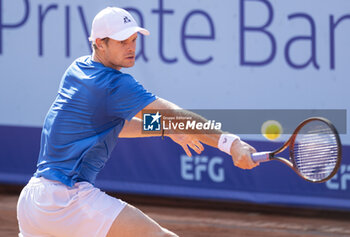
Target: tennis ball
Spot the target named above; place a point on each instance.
(271, 129)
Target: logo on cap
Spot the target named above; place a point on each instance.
(126, 20)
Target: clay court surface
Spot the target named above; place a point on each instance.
(222, 220)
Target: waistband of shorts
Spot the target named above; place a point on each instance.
(34, 181)
(42, 180)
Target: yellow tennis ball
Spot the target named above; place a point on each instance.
(271, 129)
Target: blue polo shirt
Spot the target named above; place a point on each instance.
(83, 123)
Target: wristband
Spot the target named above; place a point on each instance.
(225, 142)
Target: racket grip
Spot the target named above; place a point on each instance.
(260, 156)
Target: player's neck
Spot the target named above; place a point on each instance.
(98, 58)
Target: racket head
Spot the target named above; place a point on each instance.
(315, 150)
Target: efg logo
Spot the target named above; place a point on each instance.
(196, 168)
(340, 180)
(152, 121)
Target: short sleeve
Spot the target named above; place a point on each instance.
(127, 97)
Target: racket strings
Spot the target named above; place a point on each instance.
(316, 150)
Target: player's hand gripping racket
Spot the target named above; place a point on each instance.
(314, 150)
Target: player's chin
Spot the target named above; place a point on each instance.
(130, 62)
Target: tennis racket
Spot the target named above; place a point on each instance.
(314, 150)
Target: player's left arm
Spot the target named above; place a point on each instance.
(239, 150)
(133, 129)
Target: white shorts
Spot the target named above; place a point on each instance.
(50, 208)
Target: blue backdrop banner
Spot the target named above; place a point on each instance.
(159, 167)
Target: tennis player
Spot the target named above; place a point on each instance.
(96, 104)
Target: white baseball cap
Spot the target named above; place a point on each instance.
(115, 23)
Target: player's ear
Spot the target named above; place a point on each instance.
(99, 44)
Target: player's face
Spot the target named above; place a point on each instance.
(119, 54)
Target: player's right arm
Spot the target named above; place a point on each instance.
(239, 150)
